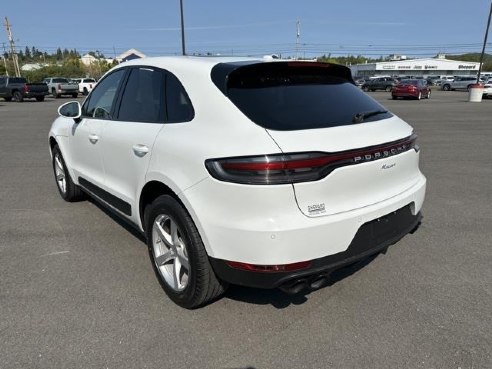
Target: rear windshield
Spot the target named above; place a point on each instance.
(17, 80)
(410, 82)
(60, 80)
(288, 96)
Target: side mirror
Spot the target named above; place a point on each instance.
(71, 109)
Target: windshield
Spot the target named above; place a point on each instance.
(296, 96)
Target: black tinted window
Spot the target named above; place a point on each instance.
(2, 80)
(60, 80)
(17, 80)
(179, 108)
(143, 98)
(102, 97)
(281, 97)
(89, 80)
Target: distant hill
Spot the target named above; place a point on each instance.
(474, 57)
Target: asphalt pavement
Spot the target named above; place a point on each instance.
(77, 289)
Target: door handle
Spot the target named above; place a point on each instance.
(140, 150)
(93, 138)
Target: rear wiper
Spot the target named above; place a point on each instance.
(360, 117)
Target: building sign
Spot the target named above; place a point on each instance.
(388, 67)
(430, 67)
(463, 66)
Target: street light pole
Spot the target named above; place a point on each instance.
(484, 44)
(183, 50)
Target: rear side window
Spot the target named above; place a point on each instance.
(289, 96)
(143, 98)
(178, 105)
(89, 80)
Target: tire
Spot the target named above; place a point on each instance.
(75, 95)
(174, 242)
(17, 96)
(69, 191)
(468, 87)
(419, 96)
(365, 88)
(39, 98)
(388, 88)
(446, 87)
(8, 99)
(393, 97)
(428, 95)
(85, 92)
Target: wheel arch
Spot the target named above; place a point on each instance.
(150, 191)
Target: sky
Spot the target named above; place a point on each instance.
(373, 28)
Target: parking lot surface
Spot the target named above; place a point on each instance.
(77, 288)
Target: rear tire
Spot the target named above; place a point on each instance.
(178, 256)
(55, 95)
(428, 95)
(40, 98)
(74, 95)
(17, 96)
(388, 88)
(393, 97)
(85, 92)
(419, 96)
(69, 191)
(446, 87)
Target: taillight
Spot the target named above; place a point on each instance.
(275, 169)
(26, 88)
(269, 268)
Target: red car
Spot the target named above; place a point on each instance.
(416, 88)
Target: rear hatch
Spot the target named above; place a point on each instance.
(342, 149)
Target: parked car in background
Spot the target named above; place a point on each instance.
(17, 89)
(327, 176)
(487, 89)
(414, 88)
(85, 84)
(59, 86)
(380, 83)
(359, 82)
(459, 83)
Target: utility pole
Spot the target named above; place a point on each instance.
(183, 49)
(12, 47)
(484, 44)
(298, 36)
(5, 60)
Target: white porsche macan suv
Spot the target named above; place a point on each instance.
(252, 172)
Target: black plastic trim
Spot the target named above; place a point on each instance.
(371, 238)
(107, 197)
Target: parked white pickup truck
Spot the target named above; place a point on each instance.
(459, 83)
(85, 84)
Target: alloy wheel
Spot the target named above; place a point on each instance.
(61, 179)
(170, 252)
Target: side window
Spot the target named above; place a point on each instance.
(143, 98)
(3, 81)
(179, 108)
(102, 97)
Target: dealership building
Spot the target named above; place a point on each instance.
(438, 66)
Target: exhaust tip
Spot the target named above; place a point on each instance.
(295, 287)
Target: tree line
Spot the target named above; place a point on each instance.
(61, 63)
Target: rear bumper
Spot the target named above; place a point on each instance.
(33, 94)
(371, 238)
(404, 94)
